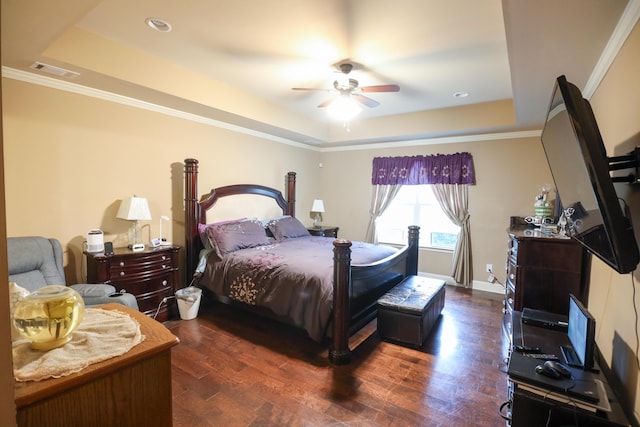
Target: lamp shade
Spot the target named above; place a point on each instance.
(318, 206)
(134, 208)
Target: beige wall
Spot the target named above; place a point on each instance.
(70, 159)
(508, 173)
(616, 105)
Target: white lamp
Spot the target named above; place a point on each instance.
(134, 209)
(163, 241)
(318, 208)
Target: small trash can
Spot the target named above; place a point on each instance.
(189, 302)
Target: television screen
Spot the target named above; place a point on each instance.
(580, 168)
(581, 332)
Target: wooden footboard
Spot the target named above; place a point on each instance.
(356, 287)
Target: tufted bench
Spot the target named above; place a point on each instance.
(407, 312)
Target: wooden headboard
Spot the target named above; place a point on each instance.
(196, 208)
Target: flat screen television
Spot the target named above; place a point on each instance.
(580, 168)
(581, 332)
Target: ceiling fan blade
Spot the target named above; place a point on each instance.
(365, 100)
(327, 102)
(381, 88)
(311, 88)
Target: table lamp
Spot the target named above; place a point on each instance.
(134, 209)
(318, 208)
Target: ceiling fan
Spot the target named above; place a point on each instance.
(350, 88)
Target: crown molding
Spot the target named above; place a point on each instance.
(38, 79)
(625, 25)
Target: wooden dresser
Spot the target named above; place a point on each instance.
(542, 270)
(150, 275)
(129, 390)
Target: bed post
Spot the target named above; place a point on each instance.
(191, 214)
(291, 194)
(339, 352)
(412, 254)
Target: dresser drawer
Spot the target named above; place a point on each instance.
(132, 274)
(122, 266)
(149, 302)
(146, 285)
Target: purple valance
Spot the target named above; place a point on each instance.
(414, 170)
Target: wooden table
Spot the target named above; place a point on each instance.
(129, 390)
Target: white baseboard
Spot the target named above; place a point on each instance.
(447, 279)
(488, 287)
(479, 285)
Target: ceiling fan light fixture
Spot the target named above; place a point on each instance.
(342, 81)
(344, 108)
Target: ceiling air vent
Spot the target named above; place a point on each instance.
(56, 71)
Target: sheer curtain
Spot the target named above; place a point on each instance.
(380, 199)
(454, 201)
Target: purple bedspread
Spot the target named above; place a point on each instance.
(293, 277)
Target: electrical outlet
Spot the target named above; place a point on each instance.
(489, 268)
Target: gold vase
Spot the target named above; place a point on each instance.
(48, 316)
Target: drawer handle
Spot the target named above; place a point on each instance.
(121, 273)
(164, 283)
(510, 301)
(121, 263)
(512, 276)
(164, 266)
(164, 257)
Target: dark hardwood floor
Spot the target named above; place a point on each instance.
(234, 369)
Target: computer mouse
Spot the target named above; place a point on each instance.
(548, 371)
(562, 369)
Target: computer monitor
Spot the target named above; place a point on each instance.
(581, 332)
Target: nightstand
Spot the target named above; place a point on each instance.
(324, 230)
(151, 275)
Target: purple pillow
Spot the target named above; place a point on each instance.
(232, 236)
(287, 228)
(202, 230)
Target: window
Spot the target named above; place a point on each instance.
(417, 205)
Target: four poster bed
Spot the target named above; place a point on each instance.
(274, 267)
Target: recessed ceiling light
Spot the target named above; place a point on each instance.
(461, 94)
(158, 24)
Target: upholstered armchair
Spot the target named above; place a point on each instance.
(35, 262)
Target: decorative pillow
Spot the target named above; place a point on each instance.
(287, 228)
(266, 221)
(202, 230)
(232, 236)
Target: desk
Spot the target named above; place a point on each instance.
(129, 390)
(529, 409)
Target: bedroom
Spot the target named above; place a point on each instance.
(90, 153)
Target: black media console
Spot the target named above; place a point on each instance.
(584, 398)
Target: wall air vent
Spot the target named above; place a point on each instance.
(56, 71)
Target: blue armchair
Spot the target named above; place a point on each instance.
(35, 262)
